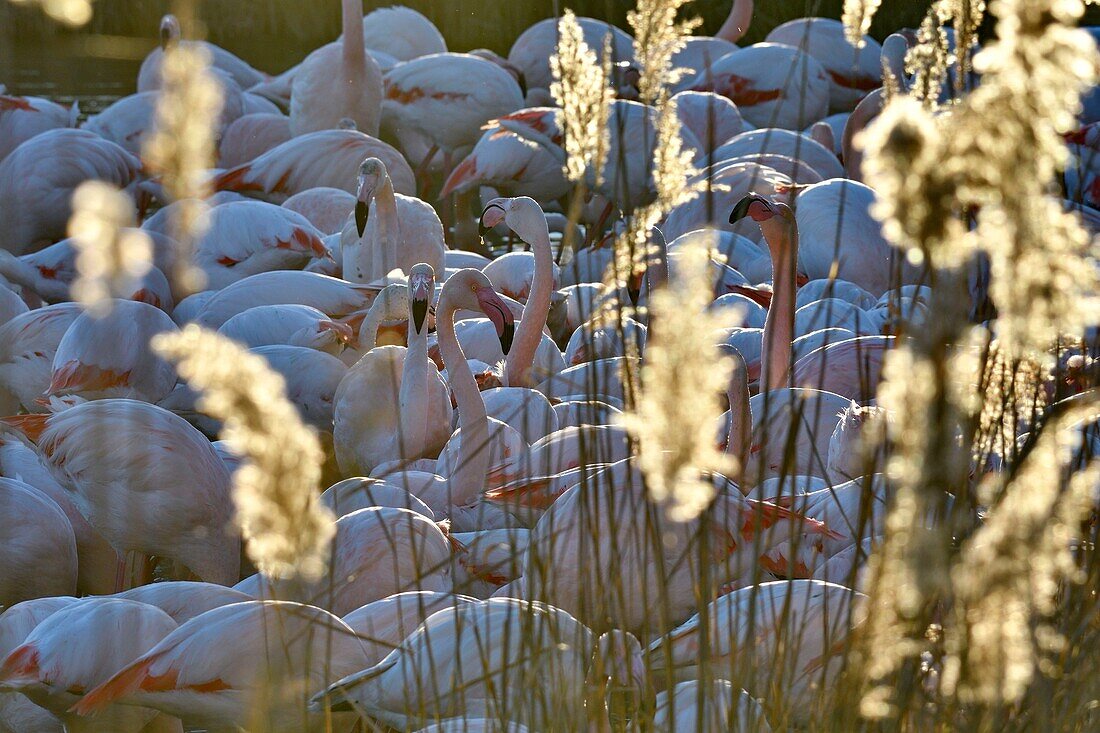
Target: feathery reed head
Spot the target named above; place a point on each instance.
(181, 148)
(73, 13)
(581, 88)
(275, 489)
(857, 17)
(111, 255)
(682, 379)
(657, 36)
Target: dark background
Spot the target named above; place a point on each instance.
(274, 34)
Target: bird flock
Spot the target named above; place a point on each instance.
(390, 232)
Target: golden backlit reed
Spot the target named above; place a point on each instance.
(657, 37)
(182, 147)
(582, 90)
(73, 13)
(111, 255)
(857, 17)
(682, 379)
(276, 488)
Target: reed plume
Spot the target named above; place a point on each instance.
(582, 90)
(73, 13)
(275, 488)
(181, 148)
(1007, 578)
(857, 16)
(657, 37)
(927, 62)
(111, 255)
(683, 375)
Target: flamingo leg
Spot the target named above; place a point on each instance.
(423, 174)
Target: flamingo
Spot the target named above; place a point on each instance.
(156, 487)
(511, 164)
(738, 179)
(289, 325)
(109, 356)
(478, 674)
(337, 81)
(38, 178)
(393, 404)
(329, 295)
(359, 492)
(76, 648)
(488, 559)
(785, 630)
(711, 118)
(21, 118)
(402, 33)
(28, 344)
(183, 600)
(696, 56)
(250, 136)
(378, 551)
(218, 670)
(17, 713)
(525, 217)
(852, 72)
(244, 238)
(312, 378)
(129, 120)
(598, 529)
(772, 85)
(737, 22)
(38, 550)
(97, 561)
(325, 208)
(149, 74)
(459, 479)
(390, 230)
(329, 158)
(776, 141)
(851, 368)
(531, 51)
(695, 705)
(383, 624)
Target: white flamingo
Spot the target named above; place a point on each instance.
(21, 118)
(39, 550)
(17, 712)
(338, 81)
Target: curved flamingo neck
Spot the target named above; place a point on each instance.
(521, 357)
(354, 50)
(737, 23)
(473, 422)
(867, 109)
(775, 360)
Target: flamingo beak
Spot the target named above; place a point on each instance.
(420, 292)
(493, 307)
(361, 209)
(634, 288)
(493, 215)
(754, 205)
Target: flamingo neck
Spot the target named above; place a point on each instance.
(354, 52)
(737, 23)
(782, 238)
(521, 357)
(414, 393)
(385, 209)
(739, 439)
(468, 478)
(868, 108)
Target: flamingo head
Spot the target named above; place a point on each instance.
(347, 123)
(494, 214)
(372, 173)
(169, 31)
(421, 288)
(760, 209)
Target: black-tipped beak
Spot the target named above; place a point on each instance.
(165, 38)
(482, 227)
(506, 337)
(741, 210)
(522, 80)
(635, 292)
(361, 209)
(419, 313)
